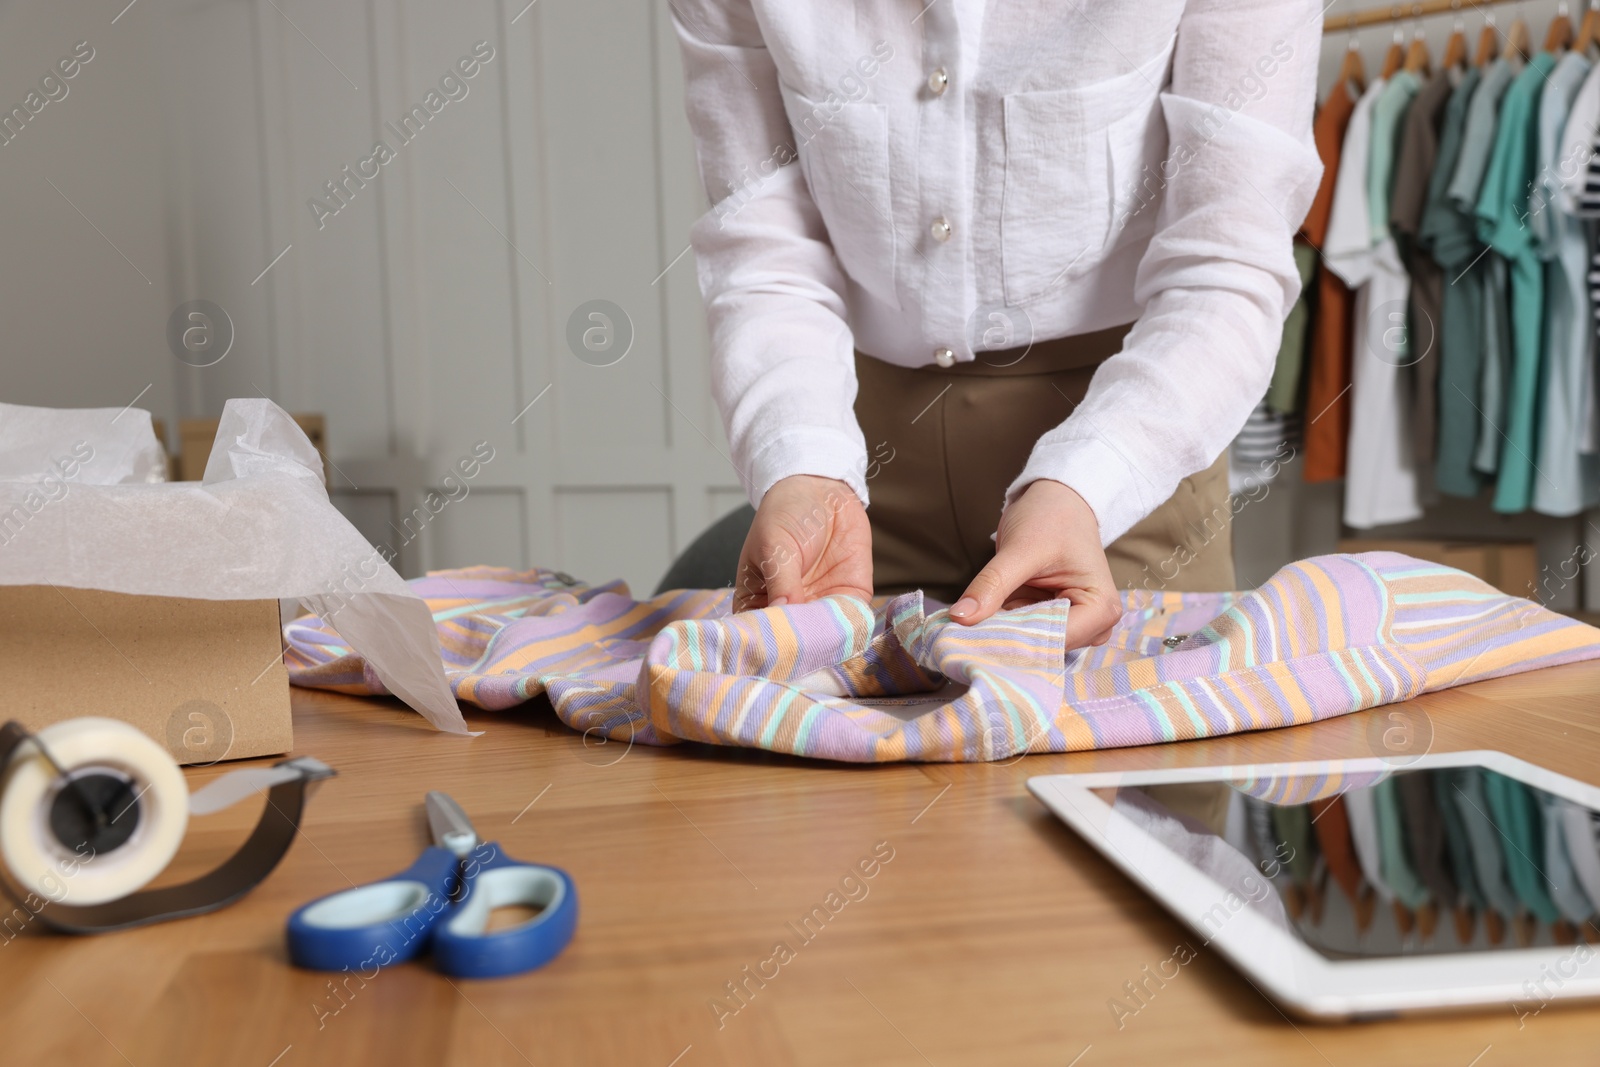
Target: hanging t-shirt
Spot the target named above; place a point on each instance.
(1458, 843)
(1364, 834)
(1496, 362)
(1283, 395)
(1394, 849)
(1477, 143)
(1291, 826)
(1520, 822)
(1487, 851)
(1502, 225)
(1331, 822)
(1255, 456)
(1567, 481)
(1451, 238)
(1577, 156)
(1566, 891)
(1419, 148)
(1380, 479)
(1581, 829)
(1327, 406)
(1425, 834)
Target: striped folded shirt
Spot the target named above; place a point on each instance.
(843, 679)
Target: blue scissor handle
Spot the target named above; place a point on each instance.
(376, 924)
(494, 880)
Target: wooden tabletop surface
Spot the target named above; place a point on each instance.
(987, 933)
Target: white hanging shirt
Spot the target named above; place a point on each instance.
(1380, 475)
(970, 174)
(1575, 160)
(1567, 481)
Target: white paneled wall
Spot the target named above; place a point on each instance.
(431, 309)
(84, 284)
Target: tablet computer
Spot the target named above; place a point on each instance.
(1365, 887)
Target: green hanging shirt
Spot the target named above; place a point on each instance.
(1283, 395)
(1482, 392)
(1395, 863)
(1451, 237)
(1517, 816)
(1503, 225)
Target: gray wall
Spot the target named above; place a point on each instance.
(431, 309)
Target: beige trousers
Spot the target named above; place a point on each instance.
(944, 444)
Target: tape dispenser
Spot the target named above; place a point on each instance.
(92, 810)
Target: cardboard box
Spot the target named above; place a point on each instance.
(196, 436)
(1510, 566)
(203, 677)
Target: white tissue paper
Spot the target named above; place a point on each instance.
(78, 509)
(92, 446)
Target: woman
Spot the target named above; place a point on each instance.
(1018, 269)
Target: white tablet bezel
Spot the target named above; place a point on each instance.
(1292, 973)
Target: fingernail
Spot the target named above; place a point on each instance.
(778, 602)
(965, 606)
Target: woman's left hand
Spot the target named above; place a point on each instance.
(1047, 548)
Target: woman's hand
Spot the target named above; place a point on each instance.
(1047, 548)
(810, 539)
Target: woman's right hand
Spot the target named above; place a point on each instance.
(810, 539)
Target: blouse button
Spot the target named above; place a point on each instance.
(940, 229)
(944, 357)
(938, 81)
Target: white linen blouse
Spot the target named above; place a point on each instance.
(928, 182)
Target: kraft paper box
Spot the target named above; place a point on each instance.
(205, 677)
(158, 603)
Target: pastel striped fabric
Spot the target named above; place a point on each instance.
(1307, 785)
(840, 679)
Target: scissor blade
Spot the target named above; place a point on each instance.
(450, 826)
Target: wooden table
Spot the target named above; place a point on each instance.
(992, 936)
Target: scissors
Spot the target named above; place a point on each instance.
(441, 902)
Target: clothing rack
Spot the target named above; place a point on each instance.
(1336, 459)
(1374, 16)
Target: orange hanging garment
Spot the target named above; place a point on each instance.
(1327, 408)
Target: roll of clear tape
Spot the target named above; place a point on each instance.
(156, 802)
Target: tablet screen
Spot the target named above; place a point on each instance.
(1395, 863)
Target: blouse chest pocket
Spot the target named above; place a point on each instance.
(844, 153)
(1073, 186)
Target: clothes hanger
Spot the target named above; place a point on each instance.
(1294, 901)
(1488, 42)
(1455, 49)
(1588, 28)
(1352, 70)
(1396, 54)
(1366, 905)
(1517, 38)
(1559, 36)
(1417, 59)
(1316, 894)
(1427, 920)
(1494, 924)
